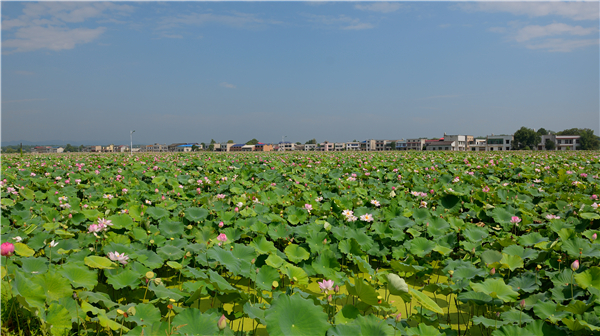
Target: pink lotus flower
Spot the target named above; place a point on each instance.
(575, 265)
(222, 237)
(594, 197)
(221, 224)
(326, 285)
(485, 189)
(7, 249)
(120, 257)
(222, 323)
(515, 220)
(308, 207)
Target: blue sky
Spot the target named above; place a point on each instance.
(337, 71)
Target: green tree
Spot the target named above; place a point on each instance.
(69, 148)
(542, 131)
(230, 141)
(9, 150)
(194, 148)
(393, 145)
(550, 145)
(252, 142)
(526, 137)
(212, 144)
(588, 140)
(311, 141)
(203, 145)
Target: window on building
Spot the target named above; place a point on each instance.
(499, 148)
(446, 148)
(507, 148)
(507, 142)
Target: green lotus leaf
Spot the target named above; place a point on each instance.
(344, 330)
(255, 312)
(157, 213)
(171, 229)
(589, 278)
(423, 330)
(151, 259)
(526, 282)
(34, 265)
(123, 278)
(511, 261)
(196, 214)
(219, 282)
(274, 261)
(401, 223)
(516, 316)
(396, 285)
(589, 215)
(225, 258)
(295, 274)
(488, 323)
(293, 315)
(265, 277)
(174, 264)
(23, 250)
(425, 301)
(490, 256)
(165, 293)
(121, 221)
(575, 245)
(532, 239)
(549, 310)
(475, 234)
(99, 262)
(145, 315)
(170, 252)
(477, 298)
(55, 286)
(468, 272)
(372, 325)
(79, 275)
(421, 246)
(32, 292)
(437, 227)
(496, 288)
(58, 319)
(502, 216)
(347, 315)
(296, 253)
(365, 292)
(262, 245)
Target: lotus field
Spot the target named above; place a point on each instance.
(394, 243)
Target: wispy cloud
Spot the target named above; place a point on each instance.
(572, 10)
(531, 32)
(342, 21)
(23, 100)
(54, 25)
(544, 38)
(227, 85)
(560, 45)
(381, 7)
(236, 19)
(53, 38)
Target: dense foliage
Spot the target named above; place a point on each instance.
(301, 244)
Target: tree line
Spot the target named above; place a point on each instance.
(527, 138)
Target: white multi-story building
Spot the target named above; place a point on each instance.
(401, 145)
(562, 142)
(310, 147)
(478, 145)
(460, 141)
(499, 142)
(352, 146)
(442, 146)
(286, 146)
(415, 144)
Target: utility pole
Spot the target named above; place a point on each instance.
(131, 138)
(282, 145)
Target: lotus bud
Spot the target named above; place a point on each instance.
(575, 265)
(336, 289)
(594, 236)
(253, 261)
(493, 271)
(325, 241)
(221, 224)
(398, 317)
(329, 298)
(7, 249)
(522, 304)
(222, 322)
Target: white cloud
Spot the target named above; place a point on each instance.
(572, 10)
(560, 45)
(341, 21)
(238, 20)
(531, 32)
(227, 85)
(381, 7)
(50, 25)
(53, 38)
